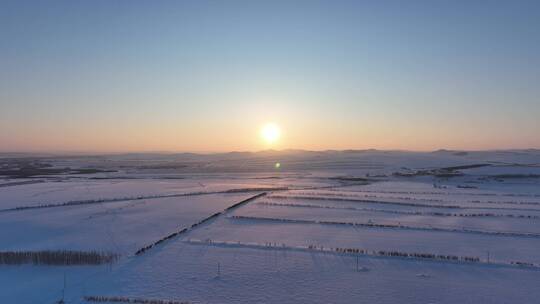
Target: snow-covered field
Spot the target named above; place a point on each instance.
(336, 227)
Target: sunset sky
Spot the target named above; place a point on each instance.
(206, 76)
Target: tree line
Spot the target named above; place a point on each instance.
(184, 230)
(59, 257)
(130, 300)
(135, 198)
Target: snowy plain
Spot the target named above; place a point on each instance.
(281, 247)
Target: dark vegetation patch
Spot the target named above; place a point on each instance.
(514, 176)
(124, 177)
(56, 257)
(241, 190)
(25, 168)
(465, 167)
(349, 179)
(466, 187)
(440, 172)
(171, 166)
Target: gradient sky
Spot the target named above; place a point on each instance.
(205, 75)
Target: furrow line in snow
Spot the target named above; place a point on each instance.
(517, 216)
(142, 197)
(205, 220)
(452, 193)
(30, 182)
(389, 226)
(406, 198)
(407, 204)
(320, 198)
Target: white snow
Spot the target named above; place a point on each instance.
(257, 258)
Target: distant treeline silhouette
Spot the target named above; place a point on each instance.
(58, 257)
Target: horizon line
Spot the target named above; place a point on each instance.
(157, 152)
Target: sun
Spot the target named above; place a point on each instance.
(270, 133)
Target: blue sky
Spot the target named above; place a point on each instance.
(205, 75)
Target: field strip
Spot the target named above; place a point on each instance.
(451, 193)
(517, 216)
(389, 226)
(369, 201)
(320, 198)
(441, 258)
(30, 182)
(135, 198)
(407, 198)
(205, 220)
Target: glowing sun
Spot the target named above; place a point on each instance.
(270, 133)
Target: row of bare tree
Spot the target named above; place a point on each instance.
(59, 257)
(130, 300)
